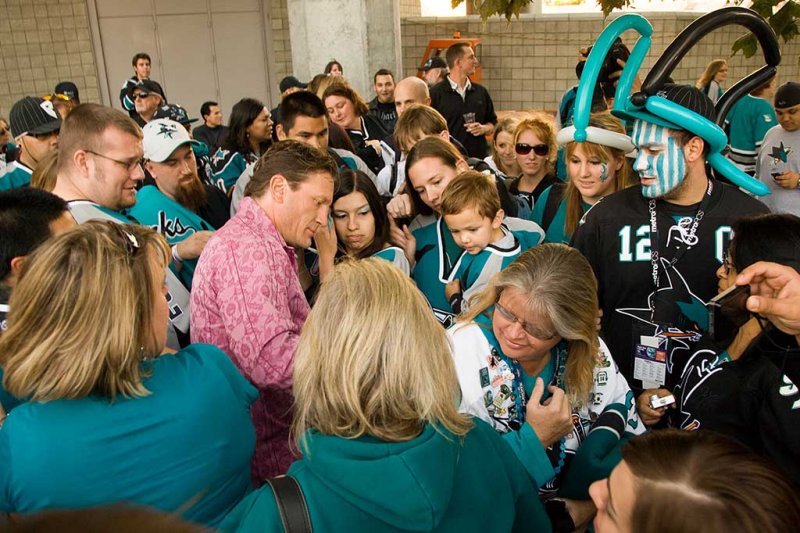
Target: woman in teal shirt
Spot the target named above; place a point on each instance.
(385, 448)
(110, 417)
(595, 168)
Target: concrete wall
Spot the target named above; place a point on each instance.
(410, 8)
(44, 42)
(279, 18)
(529, 63)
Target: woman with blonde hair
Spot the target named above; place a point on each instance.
(710, 82)
(108, 418)
(595, 168)
(503, 159)
(375, 416)
(535, 148)
(530, 363)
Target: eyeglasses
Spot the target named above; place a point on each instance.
(140, 96)
(530, 329)
(130, 166)
(57, 96)
(525, 149)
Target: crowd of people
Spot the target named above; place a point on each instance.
(406, 306)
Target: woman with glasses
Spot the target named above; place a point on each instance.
(531, 364)
(710, 82)
(745, 384)
(111, 415)
(595, 168)
(535, 146)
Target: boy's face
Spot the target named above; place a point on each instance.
(472, 231)
(789, 117)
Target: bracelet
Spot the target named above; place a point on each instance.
(175, 255)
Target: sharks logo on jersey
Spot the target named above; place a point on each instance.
(686, 314)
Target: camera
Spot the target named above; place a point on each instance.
(610, 66)
(657, 402)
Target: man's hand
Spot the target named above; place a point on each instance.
(649, 415)
(477, 129)
(192, 246)
(552, 420)
(774, 294)
(788, 179)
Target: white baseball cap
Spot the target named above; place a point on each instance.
(162, 137)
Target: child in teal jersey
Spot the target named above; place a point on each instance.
(596, 168)
(471, 209)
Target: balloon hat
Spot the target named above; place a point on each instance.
(649, 106)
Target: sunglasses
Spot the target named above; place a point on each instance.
(57, 96)
(142, 96)
(525, 149)
(3, 131)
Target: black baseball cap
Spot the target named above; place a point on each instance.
(69, 89)
(685, 96)
(33, 116)
(433, 62)
(174, 112)
(148, 86)
(291, 82)
(787, 95)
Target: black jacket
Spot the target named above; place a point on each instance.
(213, 137)
(452, 107)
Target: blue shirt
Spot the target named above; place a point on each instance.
(188, 443)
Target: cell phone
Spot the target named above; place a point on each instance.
(727, 312)
(775, 175)
(656, 401)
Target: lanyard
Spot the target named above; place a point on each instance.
(690, 239)
(521, 398)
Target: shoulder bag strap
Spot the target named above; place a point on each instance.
(291, 504)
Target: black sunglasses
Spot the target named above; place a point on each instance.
(140, 95)
(525, 149)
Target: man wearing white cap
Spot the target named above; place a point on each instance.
(178, 205)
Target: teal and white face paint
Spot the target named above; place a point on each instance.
(661, 164)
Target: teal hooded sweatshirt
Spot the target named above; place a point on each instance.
(435, 482)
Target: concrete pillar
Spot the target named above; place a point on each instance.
(363, 35)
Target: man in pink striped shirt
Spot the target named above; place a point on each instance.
(246, 295)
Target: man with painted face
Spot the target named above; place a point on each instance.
(655, 248)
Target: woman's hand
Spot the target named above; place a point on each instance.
(649, 415)
(325, 239)
(400, 206)
(376, 145)
(552, 420)
(404, 239)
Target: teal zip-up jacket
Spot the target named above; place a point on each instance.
(435, 482)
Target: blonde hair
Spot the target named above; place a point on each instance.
(471, 189)
(622, 178)
(382, 368)
(711, 71)
(544, 130)
(44, 175)
(81, 318)
(561, 286)
(416, 122)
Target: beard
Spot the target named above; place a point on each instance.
(191, 193)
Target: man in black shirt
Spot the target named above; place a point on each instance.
(466, 106)
(212, 132)
(382, 106)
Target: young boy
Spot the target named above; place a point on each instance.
(471, 209)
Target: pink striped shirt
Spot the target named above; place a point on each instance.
(247, 300)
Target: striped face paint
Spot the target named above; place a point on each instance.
(661, 164)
